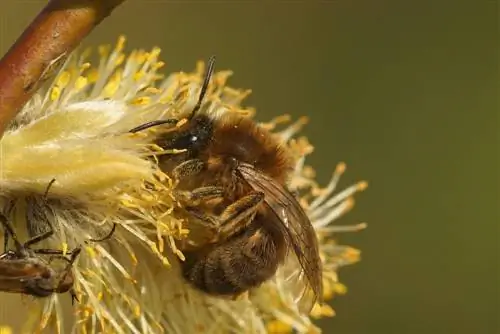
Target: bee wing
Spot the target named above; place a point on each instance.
(38, 217)
(295, 224)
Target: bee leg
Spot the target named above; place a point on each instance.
(5, 231)
(188, 168)
(211, 222)
(57, 252)
(71, 260)
(74, 297)
(38, 238)
(234, 218)
(9, 230)
(192, 198)
(239, 214)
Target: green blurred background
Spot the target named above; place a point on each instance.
(405, 92)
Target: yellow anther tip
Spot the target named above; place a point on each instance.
(362, 185)
(278, 327)
(341, 167)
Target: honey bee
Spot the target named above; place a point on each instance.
(232, 180)
(23, 270)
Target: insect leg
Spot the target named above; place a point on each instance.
(39, 238)
(106, 237)
(237, 215)
(199, 194)
(9, 230)
(48, 188)
(57, 252)
(188, 168)
(211, 222)
(234, 218)
(67, 270)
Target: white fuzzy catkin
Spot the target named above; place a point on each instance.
(76, 132)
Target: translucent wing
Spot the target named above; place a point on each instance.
(296, 225)
(38, 216)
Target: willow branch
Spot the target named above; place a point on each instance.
(47, 41)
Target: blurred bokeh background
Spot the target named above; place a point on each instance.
(406, 93)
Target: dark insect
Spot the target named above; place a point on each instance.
(23, 270)
(39, 216)
(232, 181)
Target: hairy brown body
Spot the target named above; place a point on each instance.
(246, 258)
(232, 182)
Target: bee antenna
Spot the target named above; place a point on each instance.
(203, 91)
(204, 87)
(48, 188)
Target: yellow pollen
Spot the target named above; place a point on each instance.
(320, 311)
(361, 226)
(352, 254)
(93, 75)
(154, 54)
(63, 79)
(349, 204)
(64, 248)
(141, 101)
(341, 167)
(180, 255)
(55, 93)
(120, 44)
(152, 90)
(91, 251)
(362, 185)
(139, 75)
(278, 327)
(103, 50)
(340, 288)
(159, 65)
(81, 82)
(85, 66)
(120, 59)
(181, 122)
(5, 330)
(113, 84)
(141, 57)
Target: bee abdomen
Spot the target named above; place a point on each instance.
(237, 265)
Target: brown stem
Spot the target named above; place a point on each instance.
(54, 33)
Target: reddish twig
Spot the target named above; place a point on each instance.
(54, 33)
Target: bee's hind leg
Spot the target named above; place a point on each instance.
(196, 196)
(234, 218)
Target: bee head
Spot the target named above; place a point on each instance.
(194, 136)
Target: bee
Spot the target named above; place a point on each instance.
(23, 270)
(39, 215)
(232, 180)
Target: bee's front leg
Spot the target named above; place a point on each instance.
(188, 168)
